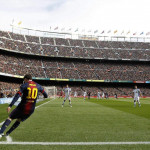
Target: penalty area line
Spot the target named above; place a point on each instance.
(44, 103)
(74, 143)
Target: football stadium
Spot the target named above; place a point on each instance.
(96, 84)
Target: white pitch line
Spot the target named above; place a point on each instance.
(1, 123)
(74, 143)
(44, 103)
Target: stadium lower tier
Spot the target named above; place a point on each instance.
(8, 89)
(74, 69)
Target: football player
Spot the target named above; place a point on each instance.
(137, 93)
(67, 92)
(28, 92)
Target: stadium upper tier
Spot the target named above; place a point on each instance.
(56, 47)
(74, 69)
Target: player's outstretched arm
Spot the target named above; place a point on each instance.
(13, 101)
(18, 94)
(43, 92)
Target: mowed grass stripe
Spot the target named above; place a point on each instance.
(142, 100)
(84, 122)
(126, 106)
(3, 113)
(76, 147)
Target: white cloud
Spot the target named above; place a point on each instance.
(89, 14)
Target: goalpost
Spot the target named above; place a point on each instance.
(51, 91)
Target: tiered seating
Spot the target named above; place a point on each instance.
(75, 47)
(74, 69)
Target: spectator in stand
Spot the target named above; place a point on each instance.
(1, 94)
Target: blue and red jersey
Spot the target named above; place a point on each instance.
(28, 92)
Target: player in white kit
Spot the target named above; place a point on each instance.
(84, 95)
(137, 93)
(103, 95)
(75, 94)
(67, 92)
(98, 95)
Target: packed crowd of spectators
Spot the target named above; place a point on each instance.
(20, 66)
(74, 47)
(8, 89)
(74, 69)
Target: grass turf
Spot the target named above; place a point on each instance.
(3, 108)
(90, 121)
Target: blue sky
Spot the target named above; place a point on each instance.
(93, 15)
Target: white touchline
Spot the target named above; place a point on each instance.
(1, 123)
(73, 143)
(35, 108)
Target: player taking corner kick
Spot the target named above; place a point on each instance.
(28, 93)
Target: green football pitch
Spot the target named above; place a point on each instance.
(92, 125)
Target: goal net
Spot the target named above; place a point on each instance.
(51, 91)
